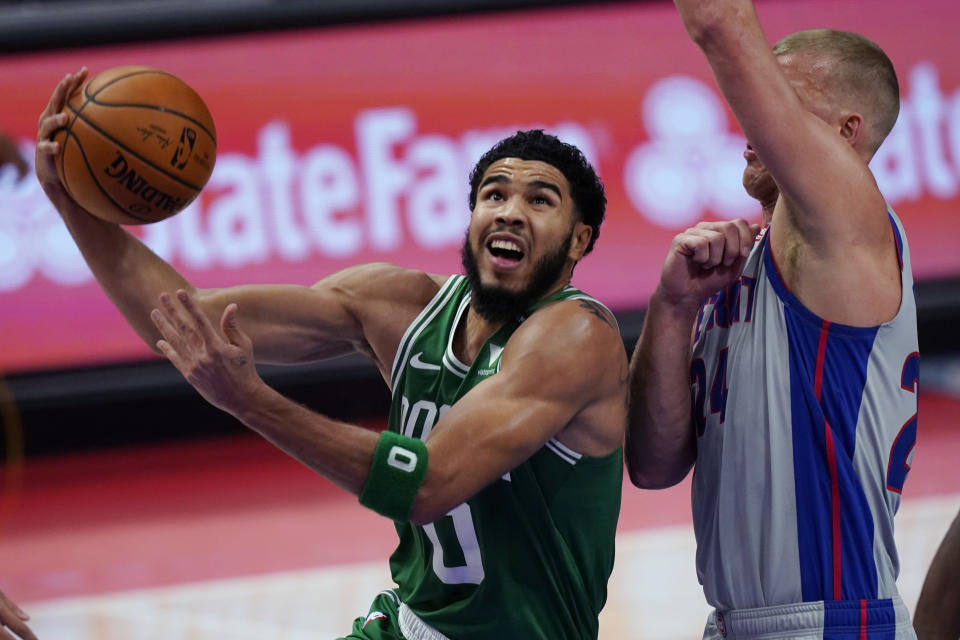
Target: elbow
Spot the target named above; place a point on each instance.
(425, 511)
(655, 481)
(704, 23)
(434, 499)
(645, 477)
(423, 517)
(704, 34)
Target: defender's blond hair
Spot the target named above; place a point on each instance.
(857, 68)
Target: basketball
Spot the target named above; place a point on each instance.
(138, 146)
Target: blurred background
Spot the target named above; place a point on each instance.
(346, 131)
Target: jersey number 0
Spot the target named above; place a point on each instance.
(424, 414)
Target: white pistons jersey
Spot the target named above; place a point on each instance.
(806, 430)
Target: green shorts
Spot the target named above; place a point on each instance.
(382, 622)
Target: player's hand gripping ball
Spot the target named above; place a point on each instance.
(138, 146)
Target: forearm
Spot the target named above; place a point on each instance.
(130, 273)
(660, 443)
(707, 21)
(340, 452)
(938, 610)
(730, 36)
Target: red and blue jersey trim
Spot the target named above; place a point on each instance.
(828, 371)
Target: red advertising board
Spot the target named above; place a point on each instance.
(346, 145)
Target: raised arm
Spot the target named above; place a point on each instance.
(492, 429)
(814, 119)
(287, 323)
(809, 143)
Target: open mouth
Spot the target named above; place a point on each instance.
(505, 251)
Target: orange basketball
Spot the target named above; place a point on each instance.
(138, 147)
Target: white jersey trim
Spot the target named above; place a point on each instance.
(564, 452)
(450, 360)
(423, 319)
(413, 628)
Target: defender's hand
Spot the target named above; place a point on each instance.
(219, 365)
(704, 259)
(50, 120)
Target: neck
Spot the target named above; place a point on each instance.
(768, 204)
(767, 215)
(471, 333)
(474, 330)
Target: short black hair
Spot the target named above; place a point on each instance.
(589, 199)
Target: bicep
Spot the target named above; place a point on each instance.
(291, 324)
(499, 424)
(487, 433)
(287, 323)
(543, 387)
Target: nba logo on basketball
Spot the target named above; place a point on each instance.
(188, 137)
(721, 627)
(113, 158)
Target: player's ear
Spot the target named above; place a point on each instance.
(582, 233)
(852, 128)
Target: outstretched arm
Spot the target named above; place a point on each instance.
(938, 610)
(492, 429)
(661, 444)
(288, 323)
(815, 134)
(813, 158)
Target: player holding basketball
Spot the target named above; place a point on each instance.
(502, 464)
(803, 364)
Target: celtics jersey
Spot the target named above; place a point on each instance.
(529, 555)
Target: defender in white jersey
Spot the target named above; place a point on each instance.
(796, 396)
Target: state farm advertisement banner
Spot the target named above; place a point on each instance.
(339, 146)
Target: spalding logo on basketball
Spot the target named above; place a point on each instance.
(138, 147)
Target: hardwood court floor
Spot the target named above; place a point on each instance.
(229, 539)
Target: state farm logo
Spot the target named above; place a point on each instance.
(32, 237)
(691, 164)
(399, 186)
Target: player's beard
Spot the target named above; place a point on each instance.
(501, 305)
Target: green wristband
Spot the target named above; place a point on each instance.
(399, 465)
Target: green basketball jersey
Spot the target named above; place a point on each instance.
(527, 557)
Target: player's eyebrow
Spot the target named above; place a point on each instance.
(543, 184)
(499, 178)
(495, 178)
